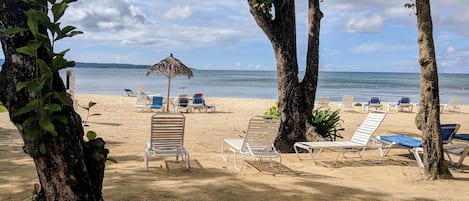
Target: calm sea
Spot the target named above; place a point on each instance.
(106, 79)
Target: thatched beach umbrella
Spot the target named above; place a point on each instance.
(170, 67)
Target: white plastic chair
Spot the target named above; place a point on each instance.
(357, 144)
(257, 143)
(167, 138)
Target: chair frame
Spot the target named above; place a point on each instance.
(167, 138)
(257, 143)
(357, 144)
(384, 147)
(347, 102)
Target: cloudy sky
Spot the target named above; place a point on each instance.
(356, 35)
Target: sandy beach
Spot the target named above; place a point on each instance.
(397, 178)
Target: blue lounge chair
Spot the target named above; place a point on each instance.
(157, 103)
(198, 103)
(374, 102)
(415, 145)
(402, 103)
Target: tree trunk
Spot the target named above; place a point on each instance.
(295, 99)
(71, 169)
(428, 118)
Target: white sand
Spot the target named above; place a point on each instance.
(211, 178)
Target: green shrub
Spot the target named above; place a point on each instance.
(327, 124)
(273, 111)
(2, 107)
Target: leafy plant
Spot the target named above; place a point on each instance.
(43, 112)
(273, 111)
(2, 107)
(91, 135)
(327, 124)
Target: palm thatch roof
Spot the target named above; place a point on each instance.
(170, 67)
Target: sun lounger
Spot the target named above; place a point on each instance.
(452, 106)
(167, 138)
(402, 104)
(347, 102)
(257, 143)
(415, 145)
(357, 144)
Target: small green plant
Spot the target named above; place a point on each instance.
(2, 107)
(91, 135)
(273, 111)
(327, 124)
(43, 112)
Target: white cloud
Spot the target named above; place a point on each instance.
(178, 12)
(450, 50)
(363, 23)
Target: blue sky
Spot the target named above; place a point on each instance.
(356, 35)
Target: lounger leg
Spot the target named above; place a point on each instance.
(223, 152)
(417, 157)
(463, 156)
(188, 161)
(242, 164)
(303, 147)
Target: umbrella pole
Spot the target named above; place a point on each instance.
(167, 97)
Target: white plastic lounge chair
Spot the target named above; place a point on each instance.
(357, 144)
(257, 143)
(347, 102)
(323, 102)
(415, 145)
(182, 103)
(142, 103)
(167, 138)
(402, 104)
(452, 106)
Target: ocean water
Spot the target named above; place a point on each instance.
(263, 84)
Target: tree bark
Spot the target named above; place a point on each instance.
(71, 169)
(295, 98)
(428, 118)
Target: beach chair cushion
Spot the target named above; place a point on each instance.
(462, 137)
(402, 140)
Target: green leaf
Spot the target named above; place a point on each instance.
(91, 104)
(47, 125)
(91, 135)
(52, 107)
(64, 98)
(30, 133)
(14, 30)
(21, 85)
(60, 118)
(112, 159)
(32, 22)
(27, 51)
(58, 10)
(27, 108)
(32, 2)
(42, 18)
(42, 148)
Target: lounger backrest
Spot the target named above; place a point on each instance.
(404, 100)
(183, 102)
(167, 131)
(448, 131)
(260, 135)
(374, 100)
(454, 102)
(157, 101)
(197, 99)
(364, 132)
